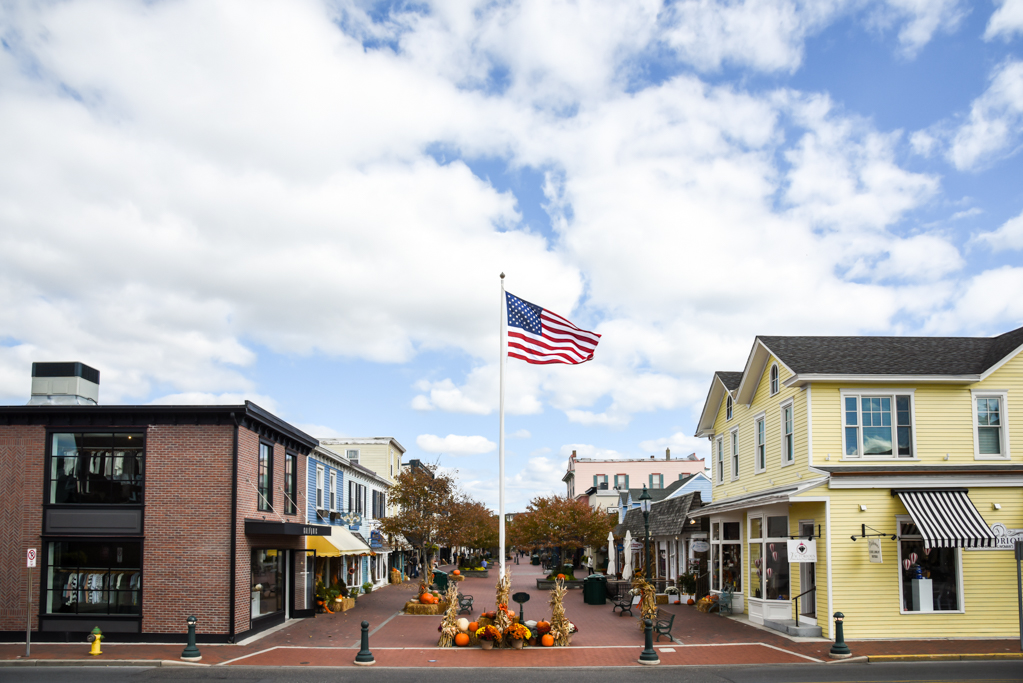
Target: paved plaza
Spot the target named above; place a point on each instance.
(604, 638)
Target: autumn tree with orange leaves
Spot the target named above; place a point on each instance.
(560, 522)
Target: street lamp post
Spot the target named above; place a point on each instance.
(644, 504)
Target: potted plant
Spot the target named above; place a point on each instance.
(687, 585)
(673, 595)
(488, 635)
(517, 634)
(367, 587)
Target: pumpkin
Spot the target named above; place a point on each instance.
(462, 639)
(543, 625)
(474, 626)
(427, 599)
(547, 640)
(690, 601)
(456, 573)
(462, 624)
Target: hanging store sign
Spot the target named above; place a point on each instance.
(874, 550)
(803, 550)
(700, 546)
(1005, 538)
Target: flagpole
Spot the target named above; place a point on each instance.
(500, 452)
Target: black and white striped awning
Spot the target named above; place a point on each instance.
(947, 518)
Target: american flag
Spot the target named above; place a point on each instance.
(538, 336)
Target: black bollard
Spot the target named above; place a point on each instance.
(191, 653)
(839, 650)
(649, 654)
(365, 657)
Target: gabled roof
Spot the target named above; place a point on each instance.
(729, 379)
(667, 517)
(880, 359)
(655, 494)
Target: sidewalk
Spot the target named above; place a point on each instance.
(604, 639)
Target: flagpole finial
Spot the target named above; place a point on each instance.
(502, 276)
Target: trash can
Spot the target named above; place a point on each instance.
(595, 589)
(440, 579)
(535, 559)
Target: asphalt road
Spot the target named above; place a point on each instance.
(919, 672)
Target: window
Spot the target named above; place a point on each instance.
(788, 448)
(990, 437)
(265, 477)
(352, 455)
(351, 496)
(319, 487)
(621, 481)
(735, 453)
(382, 512)
(721, 460)
(728, 408)
(103, 468)
(774, 380)
(267, 583)
(769, 559)
(878, 425)
(290, 484)
(929, 577)
(600, 481)
(656, 481)
(760, 451)
(93, 577)
(332, 490)
(726, 556)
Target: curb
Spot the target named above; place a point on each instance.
(945, 657)
(148, 663)
(848, 660)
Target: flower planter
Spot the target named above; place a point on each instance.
(548, 584)
(487, 644)
(516, 644)
(481, 573)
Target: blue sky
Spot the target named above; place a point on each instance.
(307, 203)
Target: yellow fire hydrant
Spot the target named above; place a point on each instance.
(95, 637)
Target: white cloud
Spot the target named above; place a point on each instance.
(519, 434)
(1006, 21)
(585, 450)
(456, 445)
(993, 127)
(1007, 237)
(208, 399)
(920, 20)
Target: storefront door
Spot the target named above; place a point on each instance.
(807, 576)
(302, 584)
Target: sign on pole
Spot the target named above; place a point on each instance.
(803, 550)
(874, 550)
(31, 557)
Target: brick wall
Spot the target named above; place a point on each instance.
(22, 459)
(186, 551)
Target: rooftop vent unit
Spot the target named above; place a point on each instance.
(64, 384)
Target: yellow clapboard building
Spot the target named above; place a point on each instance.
(872, 476)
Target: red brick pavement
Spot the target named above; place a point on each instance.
(604, 639)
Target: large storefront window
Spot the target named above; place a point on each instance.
(93, 577)
(769, 561)
(930, 576)
(726, 545)
(101, 468)
(267, 582)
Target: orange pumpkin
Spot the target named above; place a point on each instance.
(474, 626)
(547, 640)
(690, 601)
(426, 599)
(541, 625)
(462, 639)
(457, 573)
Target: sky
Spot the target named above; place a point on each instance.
(308, 204)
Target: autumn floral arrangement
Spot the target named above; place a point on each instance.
(488, 633)
(517, 632)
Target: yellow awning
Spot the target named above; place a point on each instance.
(340, 542)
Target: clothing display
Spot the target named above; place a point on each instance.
(116, 590)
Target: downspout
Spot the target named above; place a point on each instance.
(234, 529)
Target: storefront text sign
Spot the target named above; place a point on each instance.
(700, 546)
(1005, 538)
(803, 550)
(874, 550)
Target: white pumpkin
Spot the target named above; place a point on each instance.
(462, 624)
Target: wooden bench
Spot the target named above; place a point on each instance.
(624, 603)
(465, 604)
(665, 620)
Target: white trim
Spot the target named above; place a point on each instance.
(754, 352)
(729, 408)
(1012, 354)
(809, 424)
(318, 503)
(772, 391)
(761, 418)
(799, 380)
(719, 460)
(734, 452)
(1003, 398)
(787, 403)
(916, 481)
(332, 491)
(961, 598)
(882, 392)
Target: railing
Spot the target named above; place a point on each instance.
(795, 600)
(702, 585)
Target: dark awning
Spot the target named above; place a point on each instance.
(947, 518)
(261, 527)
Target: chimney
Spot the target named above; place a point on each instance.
(64, 384)
(651, 457)
(573, 455)
(667, 454)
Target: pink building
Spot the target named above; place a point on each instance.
(608, 475)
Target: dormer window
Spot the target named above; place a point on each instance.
(728, 408)
(353, 456)
(774, 380)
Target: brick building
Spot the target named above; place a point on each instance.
(144, 515)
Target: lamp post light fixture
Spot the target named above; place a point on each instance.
(644, 504)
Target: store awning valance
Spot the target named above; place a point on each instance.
(947, 518)
(340, 542)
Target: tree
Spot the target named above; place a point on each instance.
(471, 524)
(560, 522)
(424, 498)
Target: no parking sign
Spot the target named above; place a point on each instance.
(31, 557)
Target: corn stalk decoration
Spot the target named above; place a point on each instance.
(448, 629)
(503, 620)
(648, 603)
(559, 622)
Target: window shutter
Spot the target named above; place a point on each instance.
(660, 485)
(626, 481)
(594, 480)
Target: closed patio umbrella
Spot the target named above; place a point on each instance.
(610, 553)
(627, 572)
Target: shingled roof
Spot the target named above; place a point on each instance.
(667, 517)
(730, 379)
(892, 355)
